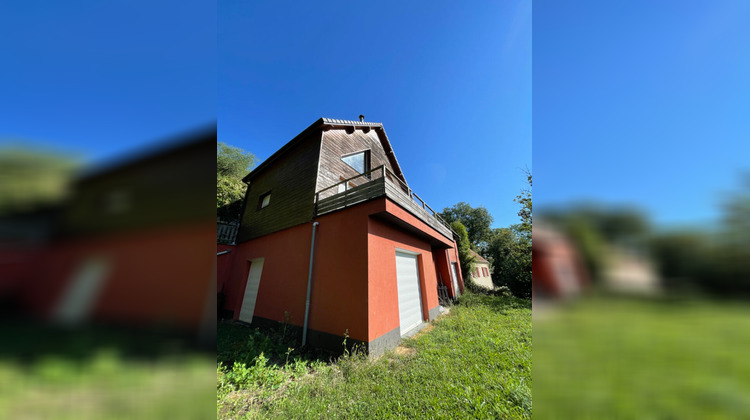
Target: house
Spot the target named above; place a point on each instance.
(482, 274)
(334, 241)
(133, 245)
(558, 271)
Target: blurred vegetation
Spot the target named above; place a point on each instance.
(705, 259)
(102, 373)
(31, 178)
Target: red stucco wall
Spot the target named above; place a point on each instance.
(383, 240)
(354, 285)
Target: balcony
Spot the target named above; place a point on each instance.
(378, 182)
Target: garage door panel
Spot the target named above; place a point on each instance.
(409, 295)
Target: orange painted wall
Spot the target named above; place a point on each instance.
(157, 277)
(338, 299)
(354, 277)
(383, 239)
(283, 280)
(340, 284)
(402, 214)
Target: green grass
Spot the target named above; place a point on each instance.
(633, 359)
(101, 373)
(473, 363)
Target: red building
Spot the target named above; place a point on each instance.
(334, 241)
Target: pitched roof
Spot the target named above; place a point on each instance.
(325, 124)
(479, 257)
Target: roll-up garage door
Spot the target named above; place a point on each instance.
(409, 296)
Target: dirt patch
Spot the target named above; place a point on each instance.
(405, 351)
(424, 330)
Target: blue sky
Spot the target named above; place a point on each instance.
(641, 102)
(451, 85)
(102, 79)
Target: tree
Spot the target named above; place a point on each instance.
(524, 199)
(464, 251)
(232, 164)
(476, 220)
(510, 250)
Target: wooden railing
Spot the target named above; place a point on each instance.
(374, 183)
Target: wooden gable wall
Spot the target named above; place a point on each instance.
(336, 143)
(291, 181)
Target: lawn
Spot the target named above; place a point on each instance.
(643, 359)
(472, 363)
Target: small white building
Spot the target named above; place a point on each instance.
(482, 274)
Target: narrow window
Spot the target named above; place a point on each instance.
(264, 200)
(360, 161)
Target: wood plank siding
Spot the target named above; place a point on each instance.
(291, 181)
(338, 142)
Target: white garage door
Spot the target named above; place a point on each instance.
(409, 296)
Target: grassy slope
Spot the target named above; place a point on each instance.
(641, 359)
(475, 362)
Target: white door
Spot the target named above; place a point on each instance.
(409, 295)
(251, 290)
(455, 279)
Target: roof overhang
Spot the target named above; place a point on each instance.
(325, 124)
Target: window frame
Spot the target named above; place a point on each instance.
(262, 198)
(367, 160)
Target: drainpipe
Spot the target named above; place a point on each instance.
(309, 285)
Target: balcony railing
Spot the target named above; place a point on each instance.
(375, 183)
(226, 232)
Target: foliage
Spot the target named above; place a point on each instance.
(30, 178)
(464, 251)
(624, 359)
(524, 199)
(476, 220)
(475, 362)
(510, 250)
(232, 164)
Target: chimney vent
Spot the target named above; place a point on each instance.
(362, 118)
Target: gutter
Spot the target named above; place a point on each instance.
(309, 284)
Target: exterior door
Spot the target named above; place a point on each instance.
(455, 279)
(251, 290)
(409, 292)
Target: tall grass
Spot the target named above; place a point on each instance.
(473, 363)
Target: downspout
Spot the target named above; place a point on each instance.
(309, 284)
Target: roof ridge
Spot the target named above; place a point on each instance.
(351, 122)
